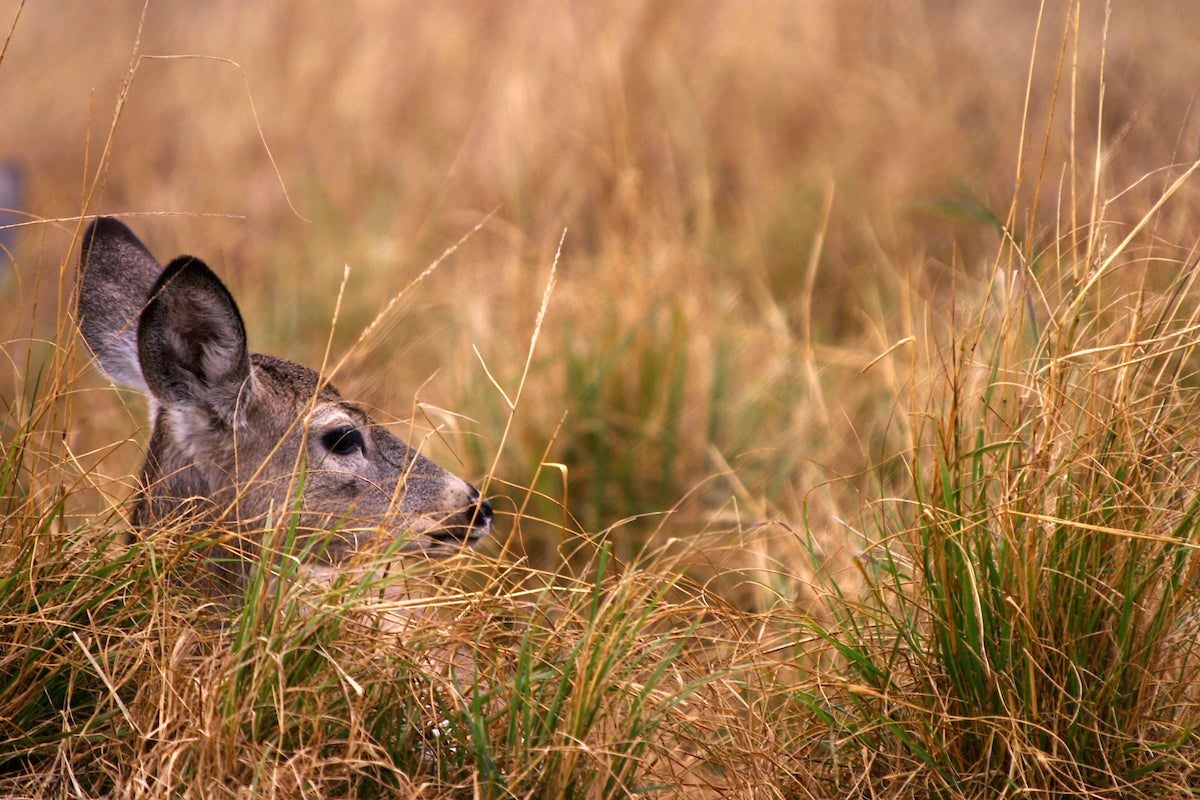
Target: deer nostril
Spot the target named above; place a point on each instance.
(482, 517)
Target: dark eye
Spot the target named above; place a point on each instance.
(343, 440)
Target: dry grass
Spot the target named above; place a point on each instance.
(856, 456)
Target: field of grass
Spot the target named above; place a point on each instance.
(832, 367)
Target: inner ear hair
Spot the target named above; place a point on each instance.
(192, 340)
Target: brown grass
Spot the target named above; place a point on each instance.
(811, 252)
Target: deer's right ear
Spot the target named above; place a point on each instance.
(192, 341)
(116, 273)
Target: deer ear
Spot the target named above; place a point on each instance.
(192, 341)
(116, 273)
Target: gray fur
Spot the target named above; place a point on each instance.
(116, 275)
(233, 432)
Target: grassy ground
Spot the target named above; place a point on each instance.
(856, 456)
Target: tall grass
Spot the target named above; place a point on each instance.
(1032, 628)
(1029, 621)
(856, 457)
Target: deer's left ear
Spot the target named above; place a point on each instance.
(192, 341)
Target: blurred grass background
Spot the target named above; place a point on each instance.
(781, 222)
(759, 200)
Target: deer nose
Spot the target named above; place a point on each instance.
(471, 522)
(481, 515)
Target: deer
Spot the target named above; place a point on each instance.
(240, 439)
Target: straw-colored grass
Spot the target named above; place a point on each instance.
(832, 368)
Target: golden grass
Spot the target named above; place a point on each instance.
(854, 458)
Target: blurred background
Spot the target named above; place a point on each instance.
(766, 211)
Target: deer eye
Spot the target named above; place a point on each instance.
(343, 440)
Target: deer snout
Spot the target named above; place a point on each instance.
(468, 524)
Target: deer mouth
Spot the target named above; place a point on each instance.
(436, 536)
(473, 523)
